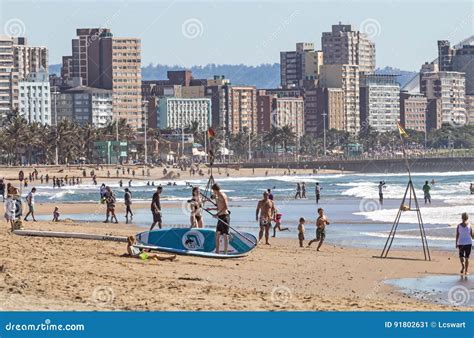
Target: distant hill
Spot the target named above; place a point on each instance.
(261, 76)
(403, 75)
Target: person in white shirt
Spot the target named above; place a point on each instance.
(464, 236)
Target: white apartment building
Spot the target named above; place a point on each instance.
(35, 98)
(380, 102)
(177, 113)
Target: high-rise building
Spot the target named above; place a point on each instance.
(445, 56)
(241, 109)
(413, 109)
(460, 59)
(28, 59)
(345, 77)
(84, 105)
(216, 90)
(379, 102)
(470, 109)
(8, 77)
(445, 92)
(279, 112)
(299, 65)
(108, 62)
(177, 113)
(35, 98)
(343, 45)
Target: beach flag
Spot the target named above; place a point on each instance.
(211, 134)
(402, 131)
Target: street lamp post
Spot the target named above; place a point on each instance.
(146, 127)
(56, 156)
(324, 132)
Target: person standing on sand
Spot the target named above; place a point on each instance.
(464, 236)
(110, 202)
(156, 208)
(426, 192)
(266, 211)
(301, 231)
(381, 187)
(30, 200)
(128, 202)
(321, 223)
(318, 192)
(223, 217)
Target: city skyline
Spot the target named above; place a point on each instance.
(185, 34)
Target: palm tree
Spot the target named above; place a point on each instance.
(14, 137)
(273, 137)
(288, 137)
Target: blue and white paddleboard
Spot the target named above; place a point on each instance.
(196, 242)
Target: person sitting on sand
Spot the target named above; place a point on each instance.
(321, 223)
(56, 214)
(135, 252)
(266, 209)
(301, 231)
(277, 221)
(464, 236)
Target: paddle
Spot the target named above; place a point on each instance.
(213, 215)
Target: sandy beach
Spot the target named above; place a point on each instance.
(74, 274)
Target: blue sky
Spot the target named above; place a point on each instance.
(248, 32)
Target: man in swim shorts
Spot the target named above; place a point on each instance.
(321, 223)
(266, 210)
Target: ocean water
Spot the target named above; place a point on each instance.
(350, 202)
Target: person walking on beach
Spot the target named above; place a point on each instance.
(270, 195)
(321, 223)
(381, 187)
(102, 191)
(196, 207)
(464, 236)
(426, 192)
(128, 203)
(56, 214)
(318, 192)
(30, 200)
(298, 191)
(266, 211)
(110, 202)
(301, 231)
(223, 217)
(156, 208)
(303, 190)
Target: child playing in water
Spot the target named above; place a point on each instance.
(135, 252)
(56, 214)
(301, 231)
